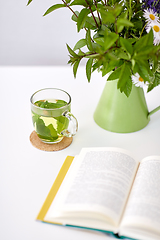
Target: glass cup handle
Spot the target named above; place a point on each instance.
(73, 125)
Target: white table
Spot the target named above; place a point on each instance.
(26, 173)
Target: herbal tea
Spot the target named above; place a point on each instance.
(47, 126)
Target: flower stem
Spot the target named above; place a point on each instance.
(98, 12)
(143, 29)
(70, 8)
(92, 14)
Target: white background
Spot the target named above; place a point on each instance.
(28, 38)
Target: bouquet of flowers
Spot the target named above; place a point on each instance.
(122, 40)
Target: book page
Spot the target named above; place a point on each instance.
(98, 184)
(143, 209)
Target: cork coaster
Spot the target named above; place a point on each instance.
(36, 142)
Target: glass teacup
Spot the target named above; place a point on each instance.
(51, 115)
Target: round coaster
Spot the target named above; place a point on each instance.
(36, 142)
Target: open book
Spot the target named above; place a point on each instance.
(107, 189)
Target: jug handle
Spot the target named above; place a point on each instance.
(153, 111)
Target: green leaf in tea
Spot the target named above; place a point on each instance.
(50, 105)
(44, 132)
(62, 123)
(49, 128)
(53, 132)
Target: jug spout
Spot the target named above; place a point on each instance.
(153, 111)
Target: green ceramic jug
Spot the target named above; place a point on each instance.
(116, 112)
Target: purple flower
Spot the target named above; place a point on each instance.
(151, 4)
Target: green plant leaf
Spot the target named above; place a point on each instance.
(155, 83)
(80, 53)
(144, 62)
(127, 87)
(144, 52)
(71, 52)
(144, 41)
(109, 39)
(107, 16)
(81, 43)
(117, 9)
(79, 2)
(90, 3)
(97, 48)
(124, 75)
(90, 23)
(149, 38)
(88, 40)
(112, 56)
(126, 45)
(115, 75)
(111, 66)
(75, 67)
(75, 17)
(121, 54)
(143, 72)
(29, 2)
(99, 40)
(54, 7)
(89, 69)
(97, 65)
(82, 18)
(119, 28)
(124, 22)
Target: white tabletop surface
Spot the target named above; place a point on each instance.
(26, 173)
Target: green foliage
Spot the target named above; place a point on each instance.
(29, 2)
(82, 18)
(127, 46)
(156, 81)
(48, 132)
(53, 8)
(50, 105)
(115, 40)
(89, 68)
(79, 2)
(89, 40)
(80, 44)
